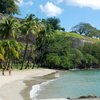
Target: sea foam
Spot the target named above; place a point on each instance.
(36, 88)
(33, 92)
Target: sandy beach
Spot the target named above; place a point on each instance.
(18, 85)
(11, 86)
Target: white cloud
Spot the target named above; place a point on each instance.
(20, 1)
(93, 4)
(25, 3)
(51, 9)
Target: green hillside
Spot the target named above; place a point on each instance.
(78, 36)
(38, 43)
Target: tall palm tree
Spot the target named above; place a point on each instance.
(42, 42)
(28, 27)
(9, 28)
(9, 50)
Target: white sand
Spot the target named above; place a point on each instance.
(18, 76)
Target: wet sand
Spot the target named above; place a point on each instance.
(34, 81)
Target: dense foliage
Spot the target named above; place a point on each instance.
(61, 55)
(55, 23)
(9, 7)
(33, 42)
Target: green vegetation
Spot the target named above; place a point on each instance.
(33, 42)
(54, 23)
(62, 55)
(86, 29)
(48, 47)
(9, 7)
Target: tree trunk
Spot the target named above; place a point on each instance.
(9, 66)
(3, 69)
(27, 65)
(24, 56)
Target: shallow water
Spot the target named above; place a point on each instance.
(72, 84)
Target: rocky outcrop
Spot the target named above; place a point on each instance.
(89, 96)
(77, 42)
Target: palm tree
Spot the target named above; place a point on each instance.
(28, 27)
(9, 28)
(11, 51)
(42, 42)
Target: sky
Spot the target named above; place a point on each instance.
(70, 12)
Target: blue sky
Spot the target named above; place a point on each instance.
(70, 12)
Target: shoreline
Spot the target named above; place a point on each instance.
(19, 84)
(11, 87)
(33, 85)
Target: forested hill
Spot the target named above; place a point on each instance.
(71, 50)
(77, 39)
(33, 42)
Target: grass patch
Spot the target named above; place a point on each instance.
(78, 36)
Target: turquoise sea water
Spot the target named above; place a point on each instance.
(72, 84)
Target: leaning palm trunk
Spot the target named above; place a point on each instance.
(25, 52)
(27, 65)
(9, 66)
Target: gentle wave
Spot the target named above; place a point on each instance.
(33, 92)
(36, 88)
